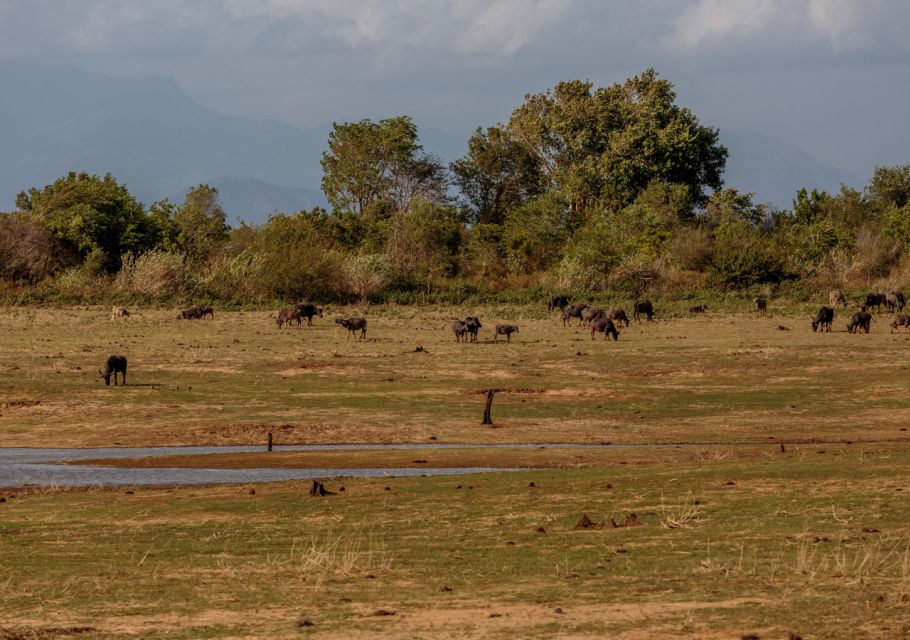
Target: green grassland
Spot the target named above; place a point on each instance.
(741, 536)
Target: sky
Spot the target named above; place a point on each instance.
(832, 76)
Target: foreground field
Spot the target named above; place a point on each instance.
(791, 518)
(237, 378)
(731, 541)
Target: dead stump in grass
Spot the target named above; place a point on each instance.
(586, 523)
(631, 520)
(318, 490)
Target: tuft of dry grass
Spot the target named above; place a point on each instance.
(682, 517)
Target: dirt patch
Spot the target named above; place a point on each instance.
(44, 633)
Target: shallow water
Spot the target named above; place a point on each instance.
(25, 466)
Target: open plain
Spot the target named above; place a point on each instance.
(777, 508)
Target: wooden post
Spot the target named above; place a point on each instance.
(486, 412)
(270, 441)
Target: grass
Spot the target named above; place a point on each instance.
(733, 538)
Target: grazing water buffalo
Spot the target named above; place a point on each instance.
(119, 313)
(875, 300)
(206, 311)
(286, 316)
(557, 302)
(702, 308)
(823, 319)
(113, 366)
(606, 327)
(836, 297)
(761, 306)
(573, 311)
(900, 320)
(617, 315)
(460, 328)
(353, 325)
(308, 311)
(860, 322)
(642, 307)
(505, 330)
(589, 314)
(895, 300)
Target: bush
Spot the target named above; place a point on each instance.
(154, 273)
(28, 252)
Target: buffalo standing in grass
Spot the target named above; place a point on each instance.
(589, 314)
(573, 311)
(901, 320)
(473, 323)
(606, 327)
(557, 302)
(895, 301)
(823, 319)
(308, 311)
(761, 306)
(113, 366)
(353, 325)
(875, 300)
(642, 308)
(860, 322)
(836, 297)
(617, 315)
(505, 330)
(286, 316)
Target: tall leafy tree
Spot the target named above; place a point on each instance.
(369, 162)
(497, 174)
(603, 146)
(97, 217)
(198, 225)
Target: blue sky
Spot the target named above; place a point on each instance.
(832, 76)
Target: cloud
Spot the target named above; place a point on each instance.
(839, 26)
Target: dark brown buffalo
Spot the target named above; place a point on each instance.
(505, 330)
(353, 325)
(823, 319)
(860, 322)
(617, 315)
(113, 366)
(606, 327)
(460, 328)
(875, 300)
(556, 302)
(642, 307)
(901, 320)
(193, 313)
(573, 311)
(286, 316)
(702, 308)
(895, 301)
(761, 306)
(589, 314)
(473, 323)
(309, 311)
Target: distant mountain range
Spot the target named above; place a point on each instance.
(148, 133)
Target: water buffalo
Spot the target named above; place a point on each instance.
(286, 316)
(874, 300)
(193, 313)
(895, 300)
(119, 313)
(836, 297)
(617, 315)
(113, 366)
(761, 306)
(606, 327)
(823, 319)
(505, 330)
(573, 311)
(473, 324)
(702, 308)
(460, 328)
(589, 314)
(860, 322)
(557, 302)
(642, 307)
(308, 311)
(206, 311)
(900, 320)
(353, 325)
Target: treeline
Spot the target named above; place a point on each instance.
(583, 189)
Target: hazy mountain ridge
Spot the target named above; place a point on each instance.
(147, 132)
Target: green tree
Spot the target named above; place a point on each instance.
(199, 223)
(97, 217)
(368, 161)
(496, 175)
(890, 186)
(603, 146)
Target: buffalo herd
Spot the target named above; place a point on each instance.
(596, 319)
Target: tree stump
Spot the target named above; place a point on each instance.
(270, 441)
(318, 490)
(486, 412)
